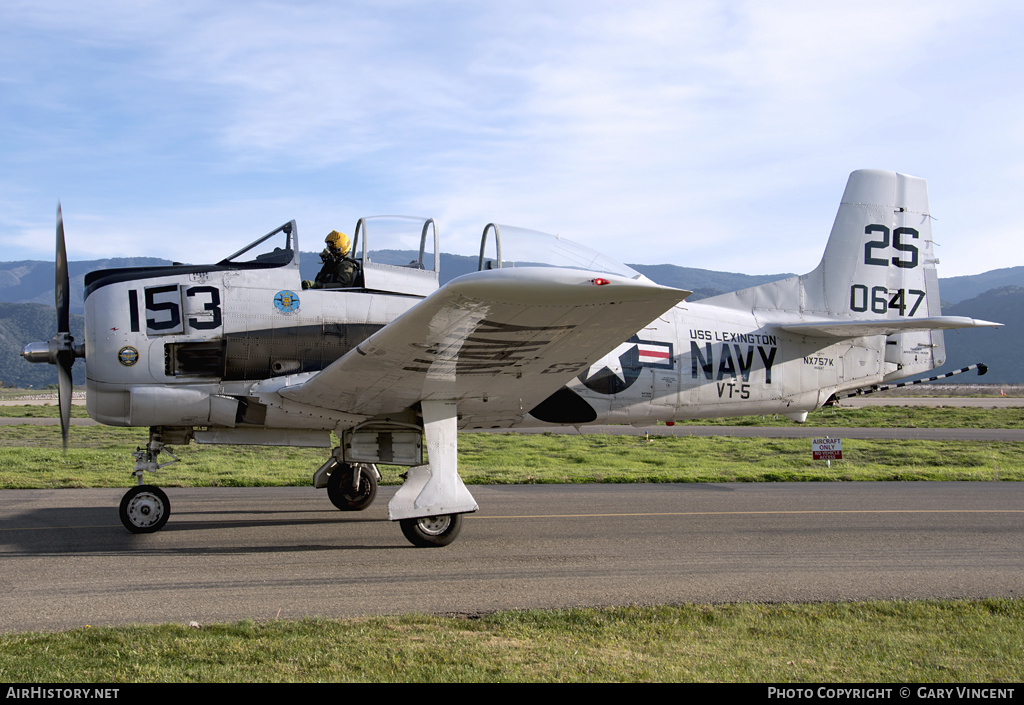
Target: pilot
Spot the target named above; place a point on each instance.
(339, 270)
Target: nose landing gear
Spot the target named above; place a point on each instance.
(145, 508)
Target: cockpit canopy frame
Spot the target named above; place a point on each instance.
(413, 278)
(278, 257)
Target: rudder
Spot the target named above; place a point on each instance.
(879, 263)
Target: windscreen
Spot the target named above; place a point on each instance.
(520, 247)
(274, 249)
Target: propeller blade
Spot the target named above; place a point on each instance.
(64, 387)
(61, 285)
(65, 356)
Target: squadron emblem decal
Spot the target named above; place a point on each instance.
(127, 356)
(286, 301)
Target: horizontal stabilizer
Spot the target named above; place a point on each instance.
(853, 328)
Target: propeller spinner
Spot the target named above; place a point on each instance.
(61, 350)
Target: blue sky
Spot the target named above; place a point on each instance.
(704, 134)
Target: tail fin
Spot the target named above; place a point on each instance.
(877, 277)
(879, 260)
(880, 263)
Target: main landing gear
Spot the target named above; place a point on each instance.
(429, 505)
(426, 532)
(352, 488)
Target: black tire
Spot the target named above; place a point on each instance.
(339, 488)
(430, 532)
(144, 509)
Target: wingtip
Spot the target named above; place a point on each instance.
(978, 323)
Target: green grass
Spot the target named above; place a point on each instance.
(99, 456)
(877, 642)
(513, 458)
(31, 457)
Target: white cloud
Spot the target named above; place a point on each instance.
(706, 134)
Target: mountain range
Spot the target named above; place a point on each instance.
(27, 313)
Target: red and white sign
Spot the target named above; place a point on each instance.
(827, 448)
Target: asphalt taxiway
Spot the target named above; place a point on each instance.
(285, 553)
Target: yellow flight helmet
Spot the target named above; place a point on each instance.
(338, 241)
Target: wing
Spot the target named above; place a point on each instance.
(847, 328)
(496, 342)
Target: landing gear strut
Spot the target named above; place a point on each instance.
(430, 505)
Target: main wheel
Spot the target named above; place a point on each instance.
(144, 509)
(339, 488)
(427, 532)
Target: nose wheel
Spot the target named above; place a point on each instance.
(144, 509)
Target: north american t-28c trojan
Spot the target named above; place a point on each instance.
(238, 352)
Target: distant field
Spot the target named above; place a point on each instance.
(887, 417)
(939, 389)
(40, 411)
(862, 417)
